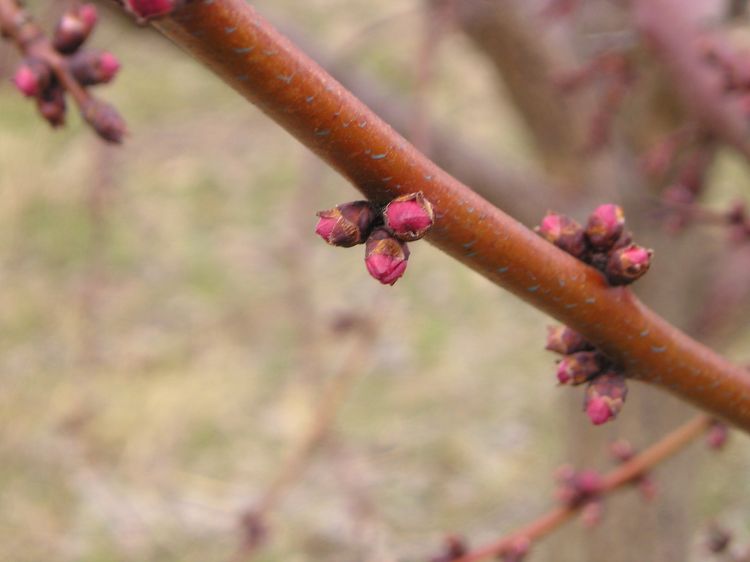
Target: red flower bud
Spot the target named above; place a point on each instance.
(105, 120)
(605, 226)
(628, 264)
(385, 256)
(717, 435)
(51, 105)
(32, 77)
(409, 217)
(563, 232)
(576, 488)
(605, 396)
(145, 10)
(577, 368)
(74, 28)
(564, 340)
(346, 225)
(89, 67)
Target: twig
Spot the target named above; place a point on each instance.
(616, 479)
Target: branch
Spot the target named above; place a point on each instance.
(625, 474)
(242, 48)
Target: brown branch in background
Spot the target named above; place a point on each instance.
(627, 473)
(264, 66)
(53, 69)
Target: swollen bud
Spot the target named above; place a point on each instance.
(628, 264)
(577, 368)
(717, 435)
(32, 77)
(74, 28)
(563, 232)
(409, 217)
(90, 68)
(564, 340)
(346, 225)
(105, 120)
(385, 256)
(145, 10)
(51, 105)
(605, 397)
(605, 226)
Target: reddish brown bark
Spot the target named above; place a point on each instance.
(242, 48)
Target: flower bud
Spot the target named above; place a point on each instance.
(717, 435)
(454, 547)
(105, 120)
(564, 340)
(628, 264)
(51, 105)
(577, 368)
(32, 77)
(718, 539)
(346, 225)
(74, 28)
(576, 488)
(385, 256)
(648, 488)
(563, 232)
(90, 68)
(605, 396)
(621, 450)
(592, 513)
(605, 226)
(409, 217)
(145, 10)
(517, 551)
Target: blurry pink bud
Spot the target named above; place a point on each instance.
(517, 551)
(563, 232)
(32, 76)
(90, 68)
(605, 397)
(564, 340)
(74, 28)
(575, 488)
(621, 450)
(454, 547)
(51, 105)
(346, 225)
(592, 513)
(647, 487)
(145, 10)
(385, 256)
(605, 226)
(628, 264)
(105, 120)
(577, 368)
(409, 217)
(717, 435)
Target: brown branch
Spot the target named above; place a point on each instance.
(618, 478)
(241, 47)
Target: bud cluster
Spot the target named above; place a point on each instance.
(581, 489)
(42, 76)
(384, 231)
(622, 451)
(582, 363)
(603, 243)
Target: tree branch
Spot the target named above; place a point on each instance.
(242, 48)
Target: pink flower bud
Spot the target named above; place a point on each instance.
(621, 450)
(145, 10)
(346, 225)
(628, 264)
(90, 67)
(648, 488)
(385, 256)
(605, 226)
(105, 120)
(51, 105)
(454, 547)
(563, 232)
(717, 435)
(517, 551)
(74, 28)
(576, 488)
(409, 217)
(32, 76)
(577, 368)
(564, 340)
(592, 514)
(718, 539)
(605, 397)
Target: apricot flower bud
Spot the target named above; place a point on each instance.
(563, 232)
(32, 77)
(91, 68)
(346, 225)
(717, 435)
(105, 120)
(605, 226)
(605, 397)
(52, 106)
(409, 217)
(628, 264)
(145, 10)
(74, 28)
(577, 368)
(564, 340)
(385, 256)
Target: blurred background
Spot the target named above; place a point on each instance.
(179, 353)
